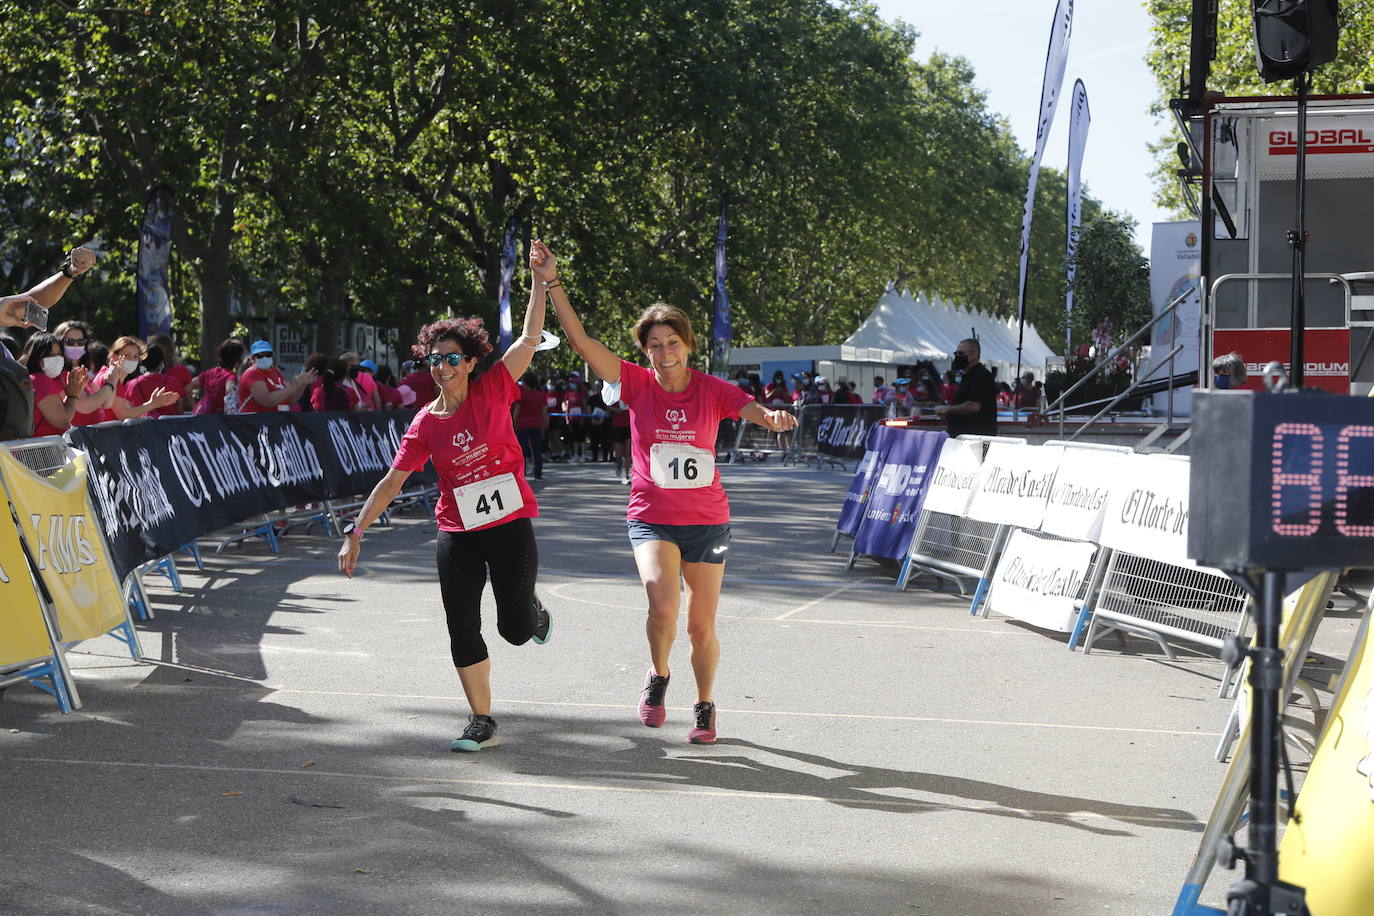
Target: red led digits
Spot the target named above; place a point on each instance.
(1346, 481)
(1310, 480)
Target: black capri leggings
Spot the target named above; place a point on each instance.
(464, 558)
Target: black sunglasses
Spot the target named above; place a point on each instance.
(73, 342)
(453, 359)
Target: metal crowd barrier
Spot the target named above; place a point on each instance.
(1158, 600)
(953, 547)
(754, 443)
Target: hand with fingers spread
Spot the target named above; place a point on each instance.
(76, 382)
(164, 397)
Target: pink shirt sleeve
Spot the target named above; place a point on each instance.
(414, 450)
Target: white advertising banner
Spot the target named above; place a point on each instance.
(1078, 499)
(1175, 263)
(1338, 146)
(1015, 484)
(1038, 580)
(956, 477)
(1147, 514)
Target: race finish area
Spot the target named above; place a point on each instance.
(284, 745)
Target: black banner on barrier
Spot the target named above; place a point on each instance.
(161, 484)
(842, 429)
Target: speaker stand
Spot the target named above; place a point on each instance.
(1297, 240)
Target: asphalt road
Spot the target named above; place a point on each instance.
(285, 747)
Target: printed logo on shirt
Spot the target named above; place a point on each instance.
(677, 417)
(463, 440)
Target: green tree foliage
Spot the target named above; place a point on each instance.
(1235, 72)
(360, 161)
(1112, 280)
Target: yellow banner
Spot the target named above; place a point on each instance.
(23, 637)
(60, 527)
(1329, 843)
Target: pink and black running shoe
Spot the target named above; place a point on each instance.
(704, 731)
(651, 710)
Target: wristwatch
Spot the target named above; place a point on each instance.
(67, 270)
(351, 528)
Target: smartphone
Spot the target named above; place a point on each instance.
(36, 315)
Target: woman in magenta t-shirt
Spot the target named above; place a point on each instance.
(678, 518)
(485, 505)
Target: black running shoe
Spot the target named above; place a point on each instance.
(543, 623)
(480, 733)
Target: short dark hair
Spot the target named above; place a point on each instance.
(663, 313)
(230, 353)
(467, 333)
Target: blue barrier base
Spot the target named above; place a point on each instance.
(1079, 626)
(979, 594)
(1187, 904)
(47, 679)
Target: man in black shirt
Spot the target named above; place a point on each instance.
(974, 409)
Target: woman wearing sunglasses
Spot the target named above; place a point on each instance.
(678, 518)
(485, 505)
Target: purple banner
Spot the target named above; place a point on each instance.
(154, 259)
(899, 479)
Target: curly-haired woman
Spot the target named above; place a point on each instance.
(484, 506)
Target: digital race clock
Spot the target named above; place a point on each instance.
(1281, 481)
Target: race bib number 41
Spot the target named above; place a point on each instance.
(681, 467)
(487, 501)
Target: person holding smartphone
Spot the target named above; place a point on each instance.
(678, 517)
(30, 310)
(485, 505)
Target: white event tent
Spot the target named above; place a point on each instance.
(916, 329)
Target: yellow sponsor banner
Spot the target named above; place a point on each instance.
(1329, 842)
(23, 637)
(59, 524)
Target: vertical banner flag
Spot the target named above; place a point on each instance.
(507, 272)
(154, 259)
(1079, 118)
(1055, 62)
(721, 331)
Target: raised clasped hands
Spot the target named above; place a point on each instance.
(543, 265)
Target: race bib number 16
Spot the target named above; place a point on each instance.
(489, 500)
(681, 467)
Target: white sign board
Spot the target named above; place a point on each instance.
(1147, 513)
(1175, 259)
(956, 477)
(1038, 580)
(1338, 146)
(1015, 484)
(1081, 489)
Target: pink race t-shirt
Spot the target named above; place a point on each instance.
(274, 380)
(673, 442)
(44, 387)
(476, 455)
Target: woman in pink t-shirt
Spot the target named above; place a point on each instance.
(484, 506)
(678, 518)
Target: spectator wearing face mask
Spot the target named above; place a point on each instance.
(263, 387)
(1229, 371)
(54, 404)
(974, 407)
(154, 378)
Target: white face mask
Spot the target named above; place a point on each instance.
(52, 366)
(74, 353)
(130, 365)
(263, 363)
